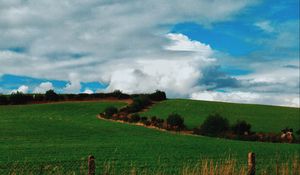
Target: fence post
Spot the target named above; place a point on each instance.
(91, 165)
(251, 163)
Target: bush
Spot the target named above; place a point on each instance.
(50, 95)
(175, 121)
(144, 120)
(3, 100)
(241, 128)
(139, 103)
(214, 125)
(19, 98)
(110, 111)
(118, 94)
(135, 118)
(158, 96)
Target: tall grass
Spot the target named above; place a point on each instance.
(229, 166)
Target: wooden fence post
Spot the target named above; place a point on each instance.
(251, 163)
(91, 165)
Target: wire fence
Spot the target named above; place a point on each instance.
(49, 167)
(90, 166)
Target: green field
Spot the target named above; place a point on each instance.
(262, 118)
(71, 131)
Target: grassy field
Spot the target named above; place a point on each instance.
(261, 117)
(71, 131)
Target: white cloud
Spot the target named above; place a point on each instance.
(74, 86)
(248, 97)
(105, 32)
(43, 87)
(24, 89)
(88, 91)
(125, 44)
(178, 75)
(265, 26)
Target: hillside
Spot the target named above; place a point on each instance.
(71, 131)
(261, 117)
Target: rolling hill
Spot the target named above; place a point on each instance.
(262, 118)
(70, 131)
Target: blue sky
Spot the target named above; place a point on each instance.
(238, 51)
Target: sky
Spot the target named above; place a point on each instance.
(242, 51)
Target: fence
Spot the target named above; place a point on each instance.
(88, 167)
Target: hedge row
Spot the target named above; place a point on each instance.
(20, 98)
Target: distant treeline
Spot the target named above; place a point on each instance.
(51, 96)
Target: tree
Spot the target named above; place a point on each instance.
(241, 128)
(175, 121)
(139, 103)
(135, 118)
(158, 96)
(50, 95)
(3, 100)
(214, 125)
(18, 98)
(110, 111)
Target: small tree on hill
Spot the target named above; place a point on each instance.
(50, 95)
(241, 128)
(3, 100)
(214, 125)
(158, 95)
(110, 111)
(175, 121)
(135, 118)
(18, 98)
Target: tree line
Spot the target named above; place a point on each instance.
(16, 98)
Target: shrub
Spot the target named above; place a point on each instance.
(298, 132)
(135, 118)
(118, 94)
(50, 95)
(175, 121)
(110, 111)
(139, 103)
(38, 97)
(214, 125)
(158, 96)
(19, 98)
(144, 120)
(241, 128)
(3, 100)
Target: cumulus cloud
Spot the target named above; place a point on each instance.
(43, 87)
(127, 45)
(88, 91)
(248, 97)
(24, 89)
(74, 36)
(178, 75)
(74, 85)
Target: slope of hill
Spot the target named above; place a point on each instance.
(71, 131)
(262, 118)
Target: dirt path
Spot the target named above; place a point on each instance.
(190, 133)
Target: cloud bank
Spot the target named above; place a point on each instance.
(128, 46)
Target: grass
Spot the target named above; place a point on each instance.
(71, 131)
(262, 118)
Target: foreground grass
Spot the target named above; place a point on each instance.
(228, 166)
(70, 131)
(262, 118)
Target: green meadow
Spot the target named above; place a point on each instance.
(70, 131)
(263, 118)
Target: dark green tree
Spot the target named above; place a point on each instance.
(50, 95)
(214, 125)
(241, 128)
(110, 111)
(175, 121)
